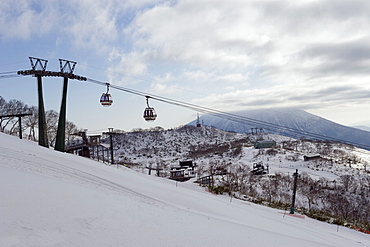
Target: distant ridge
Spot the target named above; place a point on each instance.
(362, 127)
(292, 118)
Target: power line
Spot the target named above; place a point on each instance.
(9, 72)
(12, 63)
(9, 76)
(144, 80)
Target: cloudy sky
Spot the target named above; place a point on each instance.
(226, 55)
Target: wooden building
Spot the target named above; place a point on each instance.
(264, 144)
(309, 157)
(184, 172)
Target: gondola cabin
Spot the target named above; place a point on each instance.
(106, 99)
(149, 114)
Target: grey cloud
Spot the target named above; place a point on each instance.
(354, 51)
(331, 95)
(328, 96)
(334, 90)
(339, 69)
(260, 102)
(307, 14)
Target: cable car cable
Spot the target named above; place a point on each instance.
(10, 72)
(233, 117)
(9, 76)
(229, 116)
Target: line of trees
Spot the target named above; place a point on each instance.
(340, 201)
(10, 125)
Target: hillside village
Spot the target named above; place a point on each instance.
(333, 183)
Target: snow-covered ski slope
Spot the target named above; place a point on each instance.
(48, 198)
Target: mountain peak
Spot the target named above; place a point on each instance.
(292, 122)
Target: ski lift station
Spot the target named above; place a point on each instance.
(309, 157)
(264, 144)
(184, 172)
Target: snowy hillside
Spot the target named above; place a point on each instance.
(187, 142)
(333, 187)
(291, 118)
(57, 199)
(204, 144)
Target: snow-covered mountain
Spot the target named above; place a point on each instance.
(50, 198)
(362, 127)
(300, 124)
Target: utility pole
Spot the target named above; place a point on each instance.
(295, 175)
(111, 147)
(198, 122)
(111, 133)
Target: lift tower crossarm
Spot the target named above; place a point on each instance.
(51, 74)
(38, 63)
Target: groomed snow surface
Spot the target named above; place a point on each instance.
(50, 198)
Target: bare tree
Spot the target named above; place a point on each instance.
(71, 131)
(13, 107)
(31, 122)
(51, 125)
(347, 181)
(266, 189)
(309, 188)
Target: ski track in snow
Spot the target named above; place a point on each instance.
(59, 171)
